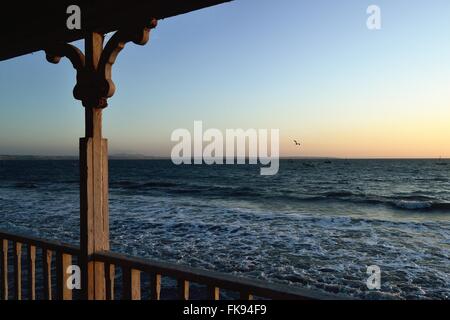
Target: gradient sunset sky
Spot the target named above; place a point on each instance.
(309, 68)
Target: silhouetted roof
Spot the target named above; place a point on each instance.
(29, 26)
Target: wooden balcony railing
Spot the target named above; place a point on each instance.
(55, 258)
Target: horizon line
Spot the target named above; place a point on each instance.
(157, 157)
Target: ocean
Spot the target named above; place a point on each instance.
(317, 224)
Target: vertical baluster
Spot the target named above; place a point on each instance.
(31, 255)
(47, 273)
(131, 284)
(155, 283)
(135, 285)
(63, 262)
(183, 289)
(245, 295)
(213, 293)
(110, 274)
(66, 263)
(4, 269)
(18, 270)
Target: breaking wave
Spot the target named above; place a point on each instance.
(316, 225)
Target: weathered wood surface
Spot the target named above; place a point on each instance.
(18, 271)
(47, 273)
(31, 260)
(63, 262)
(94, 219)
(131, 284)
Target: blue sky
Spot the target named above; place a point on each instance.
(309, 68)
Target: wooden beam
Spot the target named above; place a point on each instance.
(94, 226)
(94, 215)
(100, 15)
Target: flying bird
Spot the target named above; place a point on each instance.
(297, 143)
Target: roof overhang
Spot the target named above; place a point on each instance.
(30, 26)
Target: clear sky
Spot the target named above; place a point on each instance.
(309, 68)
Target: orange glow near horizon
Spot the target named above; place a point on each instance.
(413, 140)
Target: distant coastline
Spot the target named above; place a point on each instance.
(125, 157)
(143, 157)
(65, 158)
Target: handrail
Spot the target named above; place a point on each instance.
(41, 243)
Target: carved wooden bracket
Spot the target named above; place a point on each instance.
(94, 87)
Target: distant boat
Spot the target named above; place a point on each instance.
(327, 161)
(308, 164)
(441, 162)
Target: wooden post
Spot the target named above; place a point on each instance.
(94, 87)
(94, 223)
